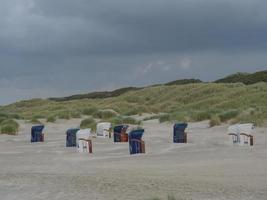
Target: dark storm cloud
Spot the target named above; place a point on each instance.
(45, 44)
(117, 27)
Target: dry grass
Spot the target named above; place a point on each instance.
(88, 123)
(9, 126)
(215, 121)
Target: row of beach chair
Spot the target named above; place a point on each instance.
(241, 134)
(82, 138)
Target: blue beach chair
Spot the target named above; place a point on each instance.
(71, 137)
(120, 134)
(37, 133)
(136, 144)
(179, 134)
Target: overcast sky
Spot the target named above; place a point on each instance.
(61, 47)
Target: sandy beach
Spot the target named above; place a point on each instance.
(208, 167)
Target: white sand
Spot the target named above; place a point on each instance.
(206, 168)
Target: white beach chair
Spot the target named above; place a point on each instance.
(241, 134)
(233, 133)
(246, 131)
(103, 129)
(82, 136)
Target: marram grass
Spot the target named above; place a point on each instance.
(192, 102)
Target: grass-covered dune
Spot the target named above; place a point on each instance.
(245, 78)
(218, 102)
(97, 95)
(121, 91)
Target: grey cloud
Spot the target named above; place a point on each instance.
(76, 46)
(119, 27)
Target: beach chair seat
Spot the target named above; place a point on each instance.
(234, 138)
